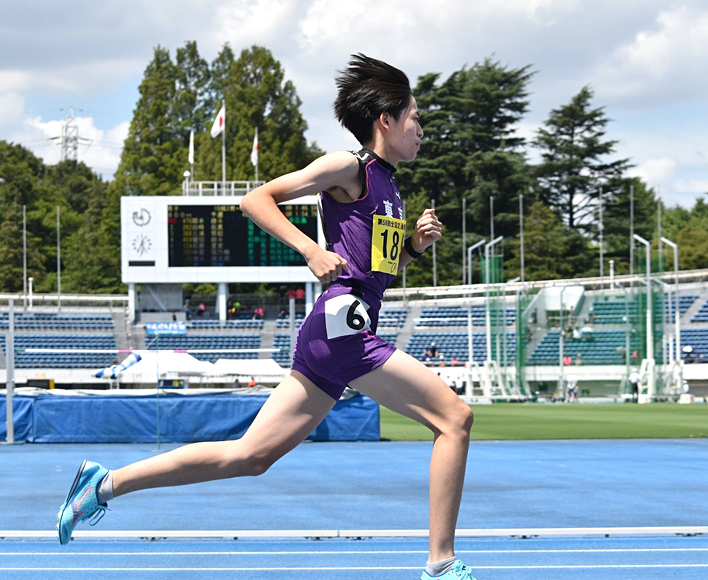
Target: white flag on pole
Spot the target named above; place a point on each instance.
(219, 122)
(254, 151)
(191, 147)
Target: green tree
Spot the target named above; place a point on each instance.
(192, 110)
(616, 218)
(154, 153)
(574, 167)
(470, 150)
(257, 96)
(689, 229)
(21, 173)
(551, 249)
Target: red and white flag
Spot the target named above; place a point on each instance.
(219, 122)
(191, 147)
(254, 151)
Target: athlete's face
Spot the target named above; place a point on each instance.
(405, 134)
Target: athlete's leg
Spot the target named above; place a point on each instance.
(289, 415)
(406, 386)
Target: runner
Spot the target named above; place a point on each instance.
(337, 345)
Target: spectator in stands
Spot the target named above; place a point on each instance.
(578, 359)
(433, 350)
(258, 313)
(252, 383)
(441, 359)
(453, 361)
(568, 333)
(577, 334)
(567, 360)
(201, 309)
(587, 333)
(300, 294)
(337, 343)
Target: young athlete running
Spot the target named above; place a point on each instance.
(337, 344)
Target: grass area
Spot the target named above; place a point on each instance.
(510, 421)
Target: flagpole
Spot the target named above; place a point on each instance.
(223, 151)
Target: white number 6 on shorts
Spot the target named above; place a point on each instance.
(345, 315)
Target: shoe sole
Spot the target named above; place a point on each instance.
(76, 482)
(74, 485)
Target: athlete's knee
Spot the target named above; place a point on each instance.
(455, 422)
(459, 419)
(464, 417)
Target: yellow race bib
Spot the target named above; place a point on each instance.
(386, 244)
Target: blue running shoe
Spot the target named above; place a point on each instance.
(82, 501)
(458, 572)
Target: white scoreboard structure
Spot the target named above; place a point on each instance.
(179, 240)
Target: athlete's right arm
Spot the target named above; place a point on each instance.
(340, 169)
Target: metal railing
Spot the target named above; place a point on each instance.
(219, 188)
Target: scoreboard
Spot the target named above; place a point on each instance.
(208, 239)
(220, 235)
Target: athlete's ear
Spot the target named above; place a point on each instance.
(384, 120)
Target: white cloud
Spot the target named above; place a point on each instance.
(658, 173)
(664, 64)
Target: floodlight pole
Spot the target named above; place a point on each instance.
(677, 317)
(651, 387)
(506, 285)
(561, 378)
(627, 327)
(471, 249)
(487, 249)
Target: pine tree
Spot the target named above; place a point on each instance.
(574, 149)
(469, 151)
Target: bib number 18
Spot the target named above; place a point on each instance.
(386, 244)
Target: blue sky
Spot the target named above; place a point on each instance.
(645, 59)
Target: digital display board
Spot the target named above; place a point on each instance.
(220, 235)
(192, 239)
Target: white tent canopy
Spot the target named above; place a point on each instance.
(263, 370)
(164, 364)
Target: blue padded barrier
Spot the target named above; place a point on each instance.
(49, 418)
(22, 415)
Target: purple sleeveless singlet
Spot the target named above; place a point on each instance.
(337, 342)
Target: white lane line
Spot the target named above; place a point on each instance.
(339, 568)
(354, 552)
(460, 533)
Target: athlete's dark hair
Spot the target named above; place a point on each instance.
(367, 88)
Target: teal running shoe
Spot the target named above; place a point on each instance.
(82, 501)
(458, 572)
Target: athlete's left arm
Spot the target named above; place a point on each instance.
(428, 230)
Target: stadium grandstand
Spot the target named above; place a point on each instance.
(599, 336)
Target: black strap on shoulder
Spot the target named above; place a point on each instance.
(364, 157)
